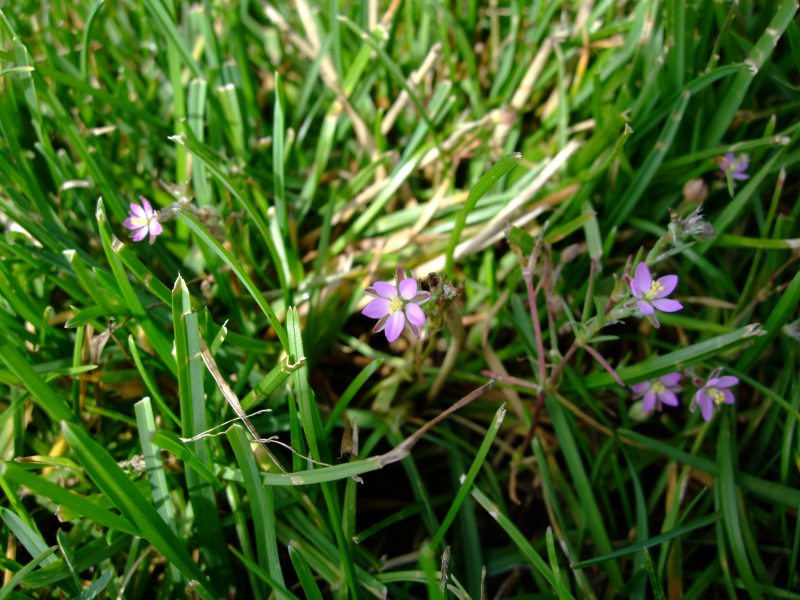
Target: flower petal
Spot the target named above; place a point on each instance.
(722, 382)
(705, 403)
(376, 309)
(129, 224)
(669, 283)
(394, 326)
(729, 399)
(649, 401)
(645, 307)
(148, 210)
(415, 314)
(643, 279)
(139, 234)
(385, 289)
(667, 305)
(641, 387)
(671, 379)
(137, 211)
(669, 398)
(408, 288)
(740, 176)
(155, 230)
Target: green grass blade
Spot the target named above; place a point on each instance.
(469, 478)
(727, 495)
(43, 394)
(516, 536)
(304, 574)
(17, 578)
(70, 500)
(262, 506)
(484, 184)
(653, 541)
(644, 174)
(218, 249)
(679, 359)
(116, 486)
(783, 14)
(786, 305)
(193, 423)
(594, 520)
(29, 537)
(152, 458)
(349, 394)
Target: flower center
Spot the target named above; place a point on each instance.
(716, 395)
(140, 222)
(655, 289)
(395, 305)
(657, 387)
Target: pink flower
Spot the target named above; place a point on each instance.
(395, 303)
(651, 295)
(736, 167)
(714, 393)
(659, 391)
(143, 220)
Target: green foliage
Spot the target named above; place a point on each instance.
(210, 416)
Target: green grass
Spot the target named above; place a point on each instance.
(211, 416)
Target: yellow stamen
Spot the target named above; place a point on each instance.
(657, 387)
(716, 395)
(655, 289)
(395, 305)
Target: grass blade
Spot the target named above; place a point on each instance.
(116, 486)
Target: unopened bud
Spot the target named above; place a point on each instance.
(695, 190)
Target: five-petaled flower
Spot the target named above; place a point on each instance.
(143, 220)
(714, 393)
(652, 295)
(658, 392)
(735, 166)
(395, 303)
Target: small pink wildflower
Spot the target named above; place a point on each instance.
(652, 295)
(395, 303)
(143, 220)
(659, 392)
(714, 392)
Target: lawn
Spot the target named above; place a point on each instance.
(399, 299)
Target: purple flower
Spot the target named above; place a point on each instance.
(395, 303)
(651, 295)
(143, 220)
(714, 392)
(659, 391)
(736, 167)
